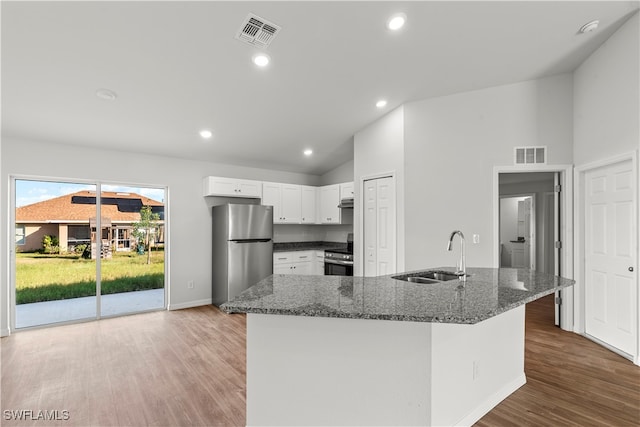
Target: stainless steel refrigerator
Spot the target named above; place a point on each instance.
(242, 248)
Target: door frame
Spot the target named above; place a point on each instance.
(579, 242)
(566, 226)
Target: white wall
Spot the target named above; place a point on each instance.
(189, 212)
(607, 97)
(343, 173)
(607, 117)
(284, 233)
(452, 144)
(379, 148)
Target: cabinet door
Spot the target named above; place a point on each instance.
(271, 197)
(329, 200)
(248, 188)
(346, 190)
(303, 268)
(308, 204)
(283, 268)
(319, 268)
(290, 203)
(217, 186)
(319, 263)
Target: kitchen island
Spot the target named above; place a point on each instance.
(336, 350)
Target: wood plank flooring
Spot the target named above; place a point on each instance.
(187, 368)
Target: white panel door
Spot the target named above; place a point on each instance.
(610, 242)
(370, 198)
(386, 226)
(379, 227)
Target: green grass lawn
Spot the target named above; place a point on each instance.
(42, 277)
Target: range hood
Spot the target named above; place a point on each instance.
(346, 203)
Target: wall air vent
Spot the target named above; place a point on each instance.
(257, 31)
(530, 155)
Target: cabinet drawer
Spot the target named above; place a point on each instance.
(302, 256)
(282, 257)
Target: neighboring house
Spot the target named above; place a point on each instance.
(72, 218)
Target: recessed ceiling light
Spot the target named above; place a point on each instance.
(588, 27)
(206, 134)
(396, 21)
(106, 94)
(261, 59)
(381, 103)
(308, 152)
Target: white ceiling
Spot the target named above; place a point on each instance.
(177, 68)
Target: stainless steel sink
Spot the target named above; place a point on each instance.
(417, 279)
(429, 276)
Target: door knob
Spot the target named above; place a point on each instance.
(630, 268)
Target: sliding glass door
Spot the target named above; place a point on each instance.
(132, 267)
(78, 256)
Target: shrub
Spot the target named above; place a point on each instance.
(50, 244)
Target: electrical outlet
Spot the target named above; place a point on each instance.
(476, 370)
(476, 238)
(190, 284)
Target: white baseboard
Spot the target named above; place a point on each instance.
(190, 304)
(4, 332)
(491, 402)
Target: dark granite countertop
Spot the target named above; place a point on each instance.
(487, 293)
(307, 246)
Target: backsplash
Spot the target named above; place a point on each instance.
(284, 233)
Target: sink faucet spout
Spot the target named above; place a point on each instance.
(461, 267)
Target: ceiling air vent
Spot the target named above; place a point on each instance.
(257, 31)
(530, 155)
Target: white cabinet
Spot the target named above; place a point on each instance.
(329, 201)
(308, 203)
(286, 201)
(298, 262)
(231, 187)
(346, 190)
(319, 263)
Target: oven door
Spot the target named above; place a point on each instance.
(338, 268)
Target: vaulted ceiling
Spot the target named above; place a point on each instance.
(176, 68)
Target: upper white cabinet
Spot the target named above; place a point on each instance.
(231, 187)
(308, 205)
(346, 190)
(329, 201)
(286, 201)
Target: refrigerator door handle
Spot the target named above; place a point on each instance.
(249, 240)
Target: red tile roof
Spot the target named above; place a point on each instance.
(80, 206)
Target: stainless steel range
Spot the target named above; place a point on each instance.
(339, 262)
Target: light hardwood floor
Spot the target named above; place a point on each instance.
(187, 368)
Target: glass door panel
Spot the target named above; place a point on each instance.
(132, 265)
(55, 272)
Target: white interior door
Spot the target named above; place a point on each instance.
(610, 242)
(379, 227)
(529, 235)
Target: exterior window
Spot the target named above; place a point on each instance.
(20, 234)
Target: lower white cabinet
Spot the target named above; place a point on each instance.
(319, 263)
(297, 262)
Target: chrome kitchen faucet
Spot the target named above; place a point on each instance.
(461, 268)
